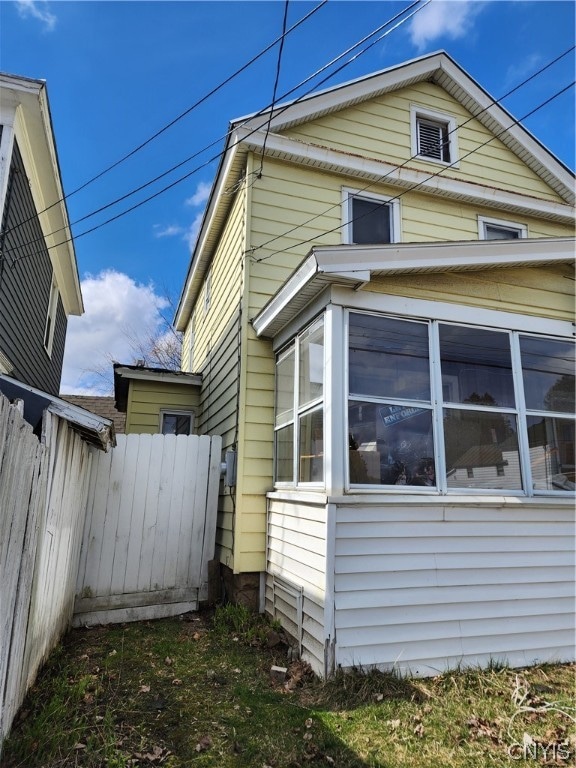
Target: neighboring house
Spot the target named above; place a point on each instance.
(380, 299)
(157, 400)
(39, 284)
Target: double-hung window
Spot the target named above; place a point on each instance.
(369, 219)
(454, 406)
(299, 421)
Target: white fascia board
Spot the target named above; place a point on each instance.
(508, 123)
(407, 178)
(199, 258)
(284, 296)
(191, 379)
(34, 134)
(463, 255)
(341, 95)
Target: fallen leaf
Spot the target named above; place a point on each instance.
(419, 730)
(309, 722)
(378, 696)
(144, 689)
(176, 681)
(79, 745)
(168, 661)
(393, 724)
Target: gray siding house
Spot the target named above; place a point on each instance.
(39, 283)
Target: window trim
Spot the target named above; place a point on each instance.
(299, 410)
(487, 221)
(50, 323)
(417, 113)
(176, 412)
(349, 193)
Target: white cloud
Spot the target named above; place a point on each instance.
(118, 311)
(37, 9)
(444, 18)
(193, 230)
(201, 195)
(172, 230)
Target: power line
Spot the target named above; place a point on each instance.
(412, 188)
(182, 115)
(274, 92)
(218, 155)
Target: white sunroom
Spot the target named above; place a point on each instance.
(422, 515)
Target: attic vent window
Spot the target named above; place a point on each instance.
(433, 140)
(496, 229)
(433, 136)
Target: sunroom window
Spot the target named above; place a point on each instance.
(299, 420)
(458, 407)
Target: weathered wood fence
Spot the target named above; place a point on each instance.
(150, 528)
(43, 492)
(116, 536)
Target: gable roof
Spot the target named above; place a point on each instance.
(249, 133)
(25, 116)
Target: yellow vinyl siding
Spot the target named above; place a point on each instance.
(215, 355)
(147, 398)
(536, 291)
(380, 129)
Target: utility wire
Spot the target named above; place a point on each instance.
(182, 115)
(275, 90)
(218, 155)
(428, 178)
(413, 157)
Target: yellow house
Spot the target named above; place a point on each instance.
(157, 400)
(380, 304)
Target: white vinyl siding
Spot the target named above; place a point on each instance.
(296, 554)
(424, 588)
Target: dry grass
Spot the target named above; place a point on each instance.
(197, 691)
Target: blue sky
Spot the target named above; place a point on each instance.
(118, 72)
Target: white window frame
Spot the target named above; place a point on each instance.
(417, 113)
(50, 324)
(208, 290)
(514, 226)
(437, 405)
(299, 410)
(176, 412)
(348, 194)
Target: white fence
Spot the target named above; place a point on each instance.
(43, 491)
(150, 528)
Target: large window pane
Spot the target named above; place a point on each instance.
(388, 358)
(311, 455)
(390, 445)
(476, 366)
(548, 372)
(311, 364)
(284, 444)
(551, 444)
(285, 388)
(481, 450)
